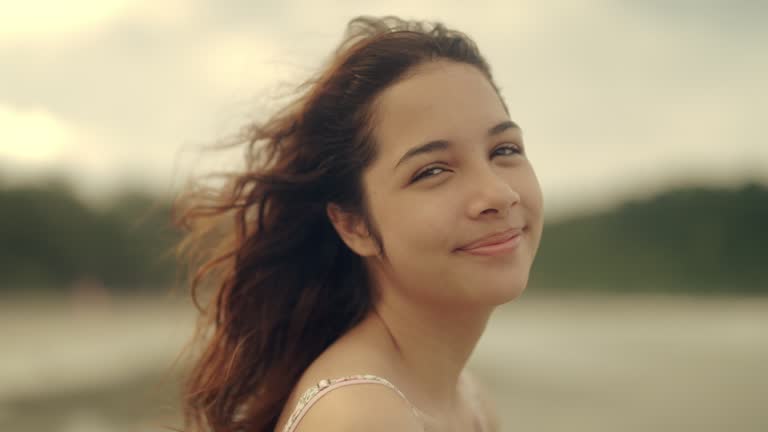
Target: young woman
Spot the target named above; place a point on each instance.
(381, 218)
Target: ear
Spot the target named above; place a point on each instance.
(352, 230)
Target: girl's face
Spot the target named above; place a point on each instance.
(451, 169)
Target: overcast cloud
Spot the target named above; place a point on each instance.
(616, 98)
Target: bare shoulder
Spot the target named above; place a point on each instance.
(370, 407)
(484, 402)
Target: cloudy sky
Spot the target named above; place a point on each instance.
(616, 98)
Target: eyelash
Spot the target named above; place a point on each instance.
(421, 175)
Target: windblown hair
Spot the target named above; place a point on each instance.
(280, 284)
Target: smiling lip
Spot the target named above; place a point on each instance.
(495, 244)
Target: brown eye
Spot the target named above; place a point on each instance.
(506, 150)
(429, 172)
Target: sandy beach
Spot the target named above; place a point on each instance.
(551, 363)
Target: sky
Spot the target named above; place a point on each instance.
(616, 98)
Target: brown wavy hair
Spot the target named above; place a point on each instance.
(280, 284)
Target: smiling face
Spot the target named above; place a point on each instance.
(451, 169)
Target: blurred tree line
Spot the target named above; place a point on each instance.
(50, 239)
(689, 240)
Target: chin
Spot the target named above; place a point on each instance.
(497, 293)
(489, 286)
(509, 295)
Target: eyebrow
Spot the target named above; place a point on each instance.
(442, 144)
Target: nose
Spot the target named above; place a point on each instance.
(492, 194)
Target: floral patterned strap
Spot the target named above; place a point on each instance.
(314, 393)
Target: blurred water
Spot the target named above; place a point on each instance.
(90, 364)
(557, 363)
(631, 363)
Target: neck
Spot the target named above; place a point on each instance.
(431, 344)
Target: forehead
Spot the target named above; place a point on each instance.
(437, 100)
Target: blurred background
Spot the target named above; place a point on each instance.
(648, 306)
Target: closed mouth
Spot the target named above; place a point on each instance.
(494, 239)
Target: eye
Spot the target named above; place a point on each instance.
(429, 172)
(502, 150)
(507, 150)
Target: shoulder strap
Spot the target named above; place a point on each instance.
(314, 393)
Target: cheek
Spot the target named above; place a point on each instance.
(418, 228)
(529, 188)
(418, 238)
(533, 203)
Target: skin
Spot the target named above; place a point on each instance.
(434, 300)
